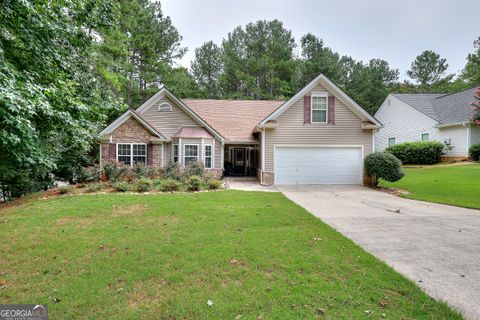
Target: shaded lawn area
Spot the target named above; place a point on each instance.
(457, 185)
(164, 256)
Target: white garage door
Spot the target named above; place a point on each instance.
(318, 165)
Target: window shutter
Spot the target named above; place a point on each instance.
(149, 154)
(306, 109)
(331, 109)
(112, 151)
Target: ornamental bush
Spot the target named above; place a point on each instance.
(194, 183)
(114, 170)
(421, 152)
(174, 171)
(121, 186)
(474, 152)
(383, 165)
(170, 185)
(194, 168)
(144, 185)
(214, 184)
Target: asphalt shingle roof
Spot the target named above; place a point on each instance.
(445, 108)
(233, 119)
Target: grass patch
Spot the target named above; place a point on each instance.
(456, 185)
(163, 256)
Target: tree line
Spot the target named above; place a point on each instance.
(68, 68)
(258, 61)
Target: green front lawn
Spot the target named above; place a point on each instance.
(164, 256)
(457, 185)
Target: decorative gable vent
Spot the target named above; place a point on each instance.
(164, 107)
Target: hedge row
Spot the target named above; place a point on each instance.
(422, 152)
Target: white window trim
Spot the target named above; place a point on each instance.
(394, 141)
(205, 154)
(428, 136)
(319, 95)
(191, 144)
(131, 152)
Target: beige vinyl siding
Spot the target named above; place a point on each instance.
(291, 130)
(170, 121)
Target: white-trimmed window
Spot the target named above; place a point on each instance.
(175, 153)
(190, 153)
(132, 153)
(208, 156)
(319, 108)
(391, 142)
(425, 136)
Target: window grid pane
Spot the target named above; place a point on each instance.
(319, 116)
(208, 162)
(124, 159)
(124, 149)
(208, 151)
(175, 153)
(191, 151)
(319, 103)
(139, 150)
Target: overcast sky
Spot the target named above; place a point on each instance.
(396, 31)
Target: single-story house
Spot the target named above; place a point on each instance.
(319, 136)
(421, 117)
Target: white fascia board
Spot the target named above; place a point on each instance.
(333, 88)
(164, 91)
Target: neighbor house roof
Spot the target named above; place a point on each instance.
(233, 119)
(444, 108)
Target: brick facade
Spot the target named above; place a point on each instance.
(131, 131)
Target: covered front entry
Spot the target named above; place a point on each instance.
(318, 165)
(241, 160)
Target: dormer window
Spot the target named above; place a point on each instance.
(165, 107)
(319, 108)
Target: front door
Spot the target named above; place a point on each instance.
(239, 161)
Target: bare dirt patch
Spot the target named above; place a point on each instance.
(130, 210)
(148, 292)
(78, 221)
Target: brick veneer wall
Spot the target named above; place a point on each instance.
(131, 131)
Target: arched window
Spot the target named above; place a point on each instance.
(164, 107)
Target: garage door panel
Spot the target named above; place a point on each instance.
(318, 165)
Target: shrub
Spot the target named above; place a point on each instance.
(474, 152)
(142, 171)
(194, 168)
(214, 184)
(114, 170)
(89, 174)
(170, 185)
(65, 189)
(94, 187)
(422, 152)
(383, 165)
(173, 171)
(144, 185)
(194, 183)
(121, 186)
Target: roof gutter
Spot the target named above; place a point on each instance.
(454, 124)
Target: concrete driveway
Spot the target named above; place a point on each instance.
(437, 246)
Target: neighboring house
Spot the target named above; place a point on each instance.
(319, 136)
(419, 117)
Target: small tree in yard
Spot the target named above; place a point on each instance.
(383, 165)
(476, 107)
